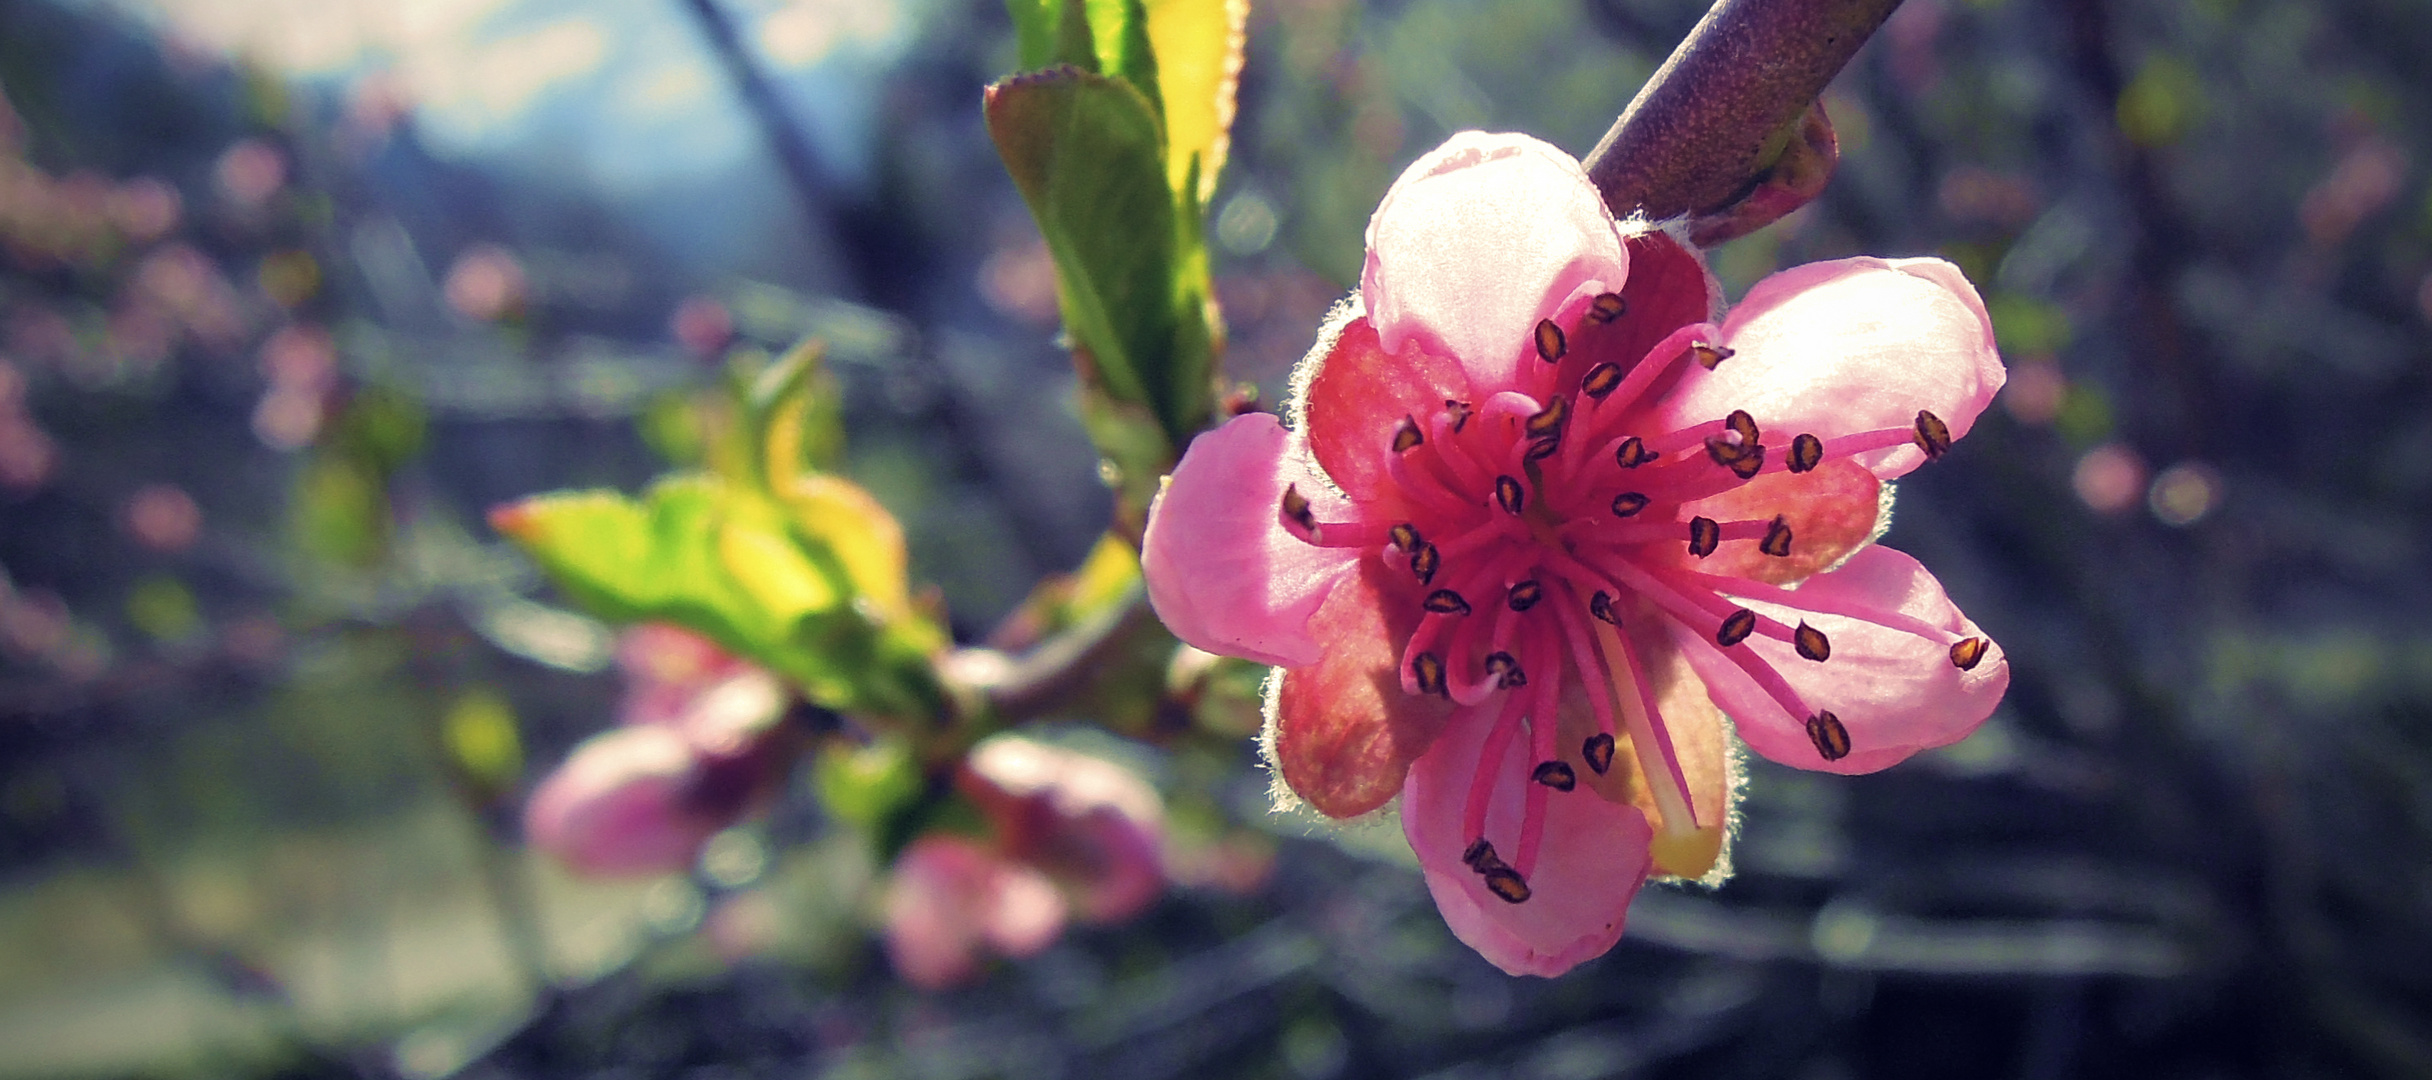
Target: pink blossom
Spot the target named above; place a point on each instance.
(1540, 522)
(953, 901)
(702, 747)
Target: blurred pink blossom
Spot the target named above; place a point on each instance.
(953, 901)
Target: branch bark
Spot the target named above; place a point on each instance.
(1713, 121)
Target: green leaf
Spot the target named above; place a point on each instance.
(1198, 45)
(1087, 153)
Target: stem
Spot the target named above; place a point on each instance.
(1715, 117)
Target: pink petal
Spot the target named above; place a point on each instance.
(616, 807)
(1477, 241)
(1831, 511)
(1669, 288)
(1836, 348)
(1354, 394)
(1593, 858)
(1896, 693)
(934, 907)
(1222, 572)
(1343, 732)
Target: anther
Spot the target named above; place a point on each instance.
(1556, 775)
(1405, 536)
(1459, 412)
(1598, 750)
(1632, 453)
(1967, 652)
(1629, 503)
(1743, 425)
(1506, 671)
(1550, 343)
(1736, 627)
(1428, 669)
(1812, 643)
(1601, 606)
(1608, 307)
(1703, 535)
(1524, 595)
(1600, 380)
(1806, 452)
(1509, 492)
(1744, 460)
(1541, 449)
(1710, 356)
(1933, 436)
(1506, 884)
(1548, 420)
(1408, 435)
(1424, 561)
(1831, 739)
(1295, 511)
(1777, 538)
(1478, 849)
(1445, 602)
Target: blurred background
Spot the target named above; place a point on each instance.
(293, 291)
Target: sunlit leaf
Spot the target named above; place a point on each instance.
(1198, 45)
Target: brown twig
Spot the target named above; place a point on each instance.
(1713, 120)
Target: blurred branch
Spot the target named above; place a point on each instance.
(1026, 686)
(1715, 118)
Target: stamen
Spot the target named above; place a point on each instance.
(1608, 307)
(1478, 849)
(1600, 380)
(1831, 739)
(1632, 453)
(1811, 643)
(1736, 628)
(1541, 449)
(1404, 536)
(1524, 595)
(1744, 461)
(1556, 775)
(1629, 503)
(1550, 343)
(1966, 653)
(1429, 669)
(1408, 435)
(1743, 425)
(1777, 538)
(1598, 750)
(1601, 606)
(1933, 436)
(1295, 513)
(1458, 413)
(1710, 356)
(1445, 602)
(1806, 452)
(1506, 671)
(1704, 533)
(1509, 492)
(1424, 561)
(1506, 884)
(1548, 421)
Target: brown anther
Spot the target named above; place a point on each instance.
(1933, 436)
(1506, 884)
(1541, 449)
(1506, 671)
(1445, 602)
(1703, 535)
(1598, 751)
(1744, 460)
(1458, 411)
(1548, 420)
(1478, 849)
(1427, 669)
(1831, 739)
(1405, 536)
(1736, 627)
(1806, 452)
(1424, 561)
(1408, 435)
(1550, 343)
(1295, 511)
(1632, 453)
(1608, 307)
(1710, 356)
(1600, 380)
(1966, 653)
(1812, 643)
(1556, 775)
(1524, 595)
(1744, 426)
(1509, 492)
(1777, 538)
(1601, 606)
(1629, 503)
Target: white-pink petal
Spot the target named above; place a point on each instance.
(1836, 348)
(1222, 572)
(1593, 858)
(1480, 239)
(1895, 692)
